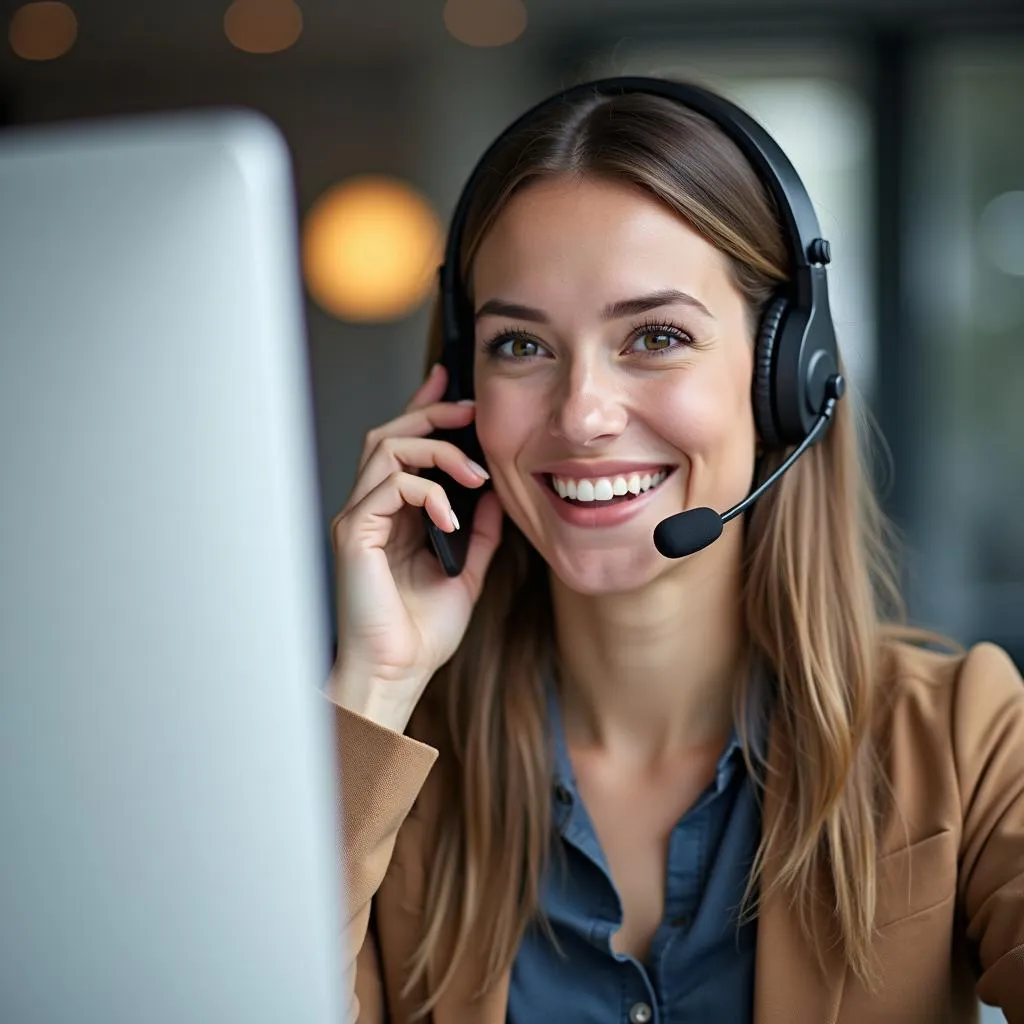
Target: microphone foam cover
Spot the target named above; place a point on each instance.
(687, 532)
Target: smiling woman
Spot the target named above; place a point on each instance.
(655, 380)
(728, 786)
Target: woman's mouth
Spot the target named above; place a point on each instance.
(606, 491)
(598, 502)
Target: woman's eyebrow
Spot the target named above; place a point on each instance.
(613, 311)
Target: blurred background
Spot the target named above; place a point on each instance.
(905, 118)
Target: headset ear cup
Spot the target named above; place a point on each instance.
(764, 357)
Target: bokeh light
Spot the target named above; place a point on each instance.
(485, 22)
(370, 249)
(1001, 231)
(263, 26)
(43, 31)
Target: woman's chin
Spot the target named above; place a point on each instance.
(600, 573)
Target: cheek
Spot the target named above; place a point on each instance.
(702, 411)
(503, 418)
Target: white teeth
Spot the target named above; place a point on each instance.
(605, 488)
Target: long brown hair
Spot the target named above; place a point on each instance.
(818, 582)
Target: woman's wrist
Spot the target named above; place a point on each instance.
(384, 702)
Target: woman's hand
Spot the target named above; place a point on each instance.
(399, 616)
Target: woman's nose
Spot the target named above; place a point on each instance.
(588, 408)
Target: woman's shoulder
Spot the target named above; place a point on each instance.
(945, 718)
(925, 675)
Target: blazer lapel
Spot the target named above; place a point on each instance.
(789, 985)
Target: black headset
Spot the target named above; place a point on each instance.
(796, 367)
(796, 346)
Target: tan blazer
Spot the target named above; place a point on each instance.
(950, 921)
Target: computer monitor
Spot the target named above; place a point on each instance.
(168, 810)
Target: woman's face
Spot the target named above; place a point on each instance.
(613, 354)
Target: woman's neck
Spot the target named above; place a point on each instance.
(653, 673)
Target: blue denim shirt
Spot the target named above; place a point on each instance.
(701, 963)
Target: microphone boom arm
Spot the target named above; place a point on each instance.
(833, 391)
(690, 531)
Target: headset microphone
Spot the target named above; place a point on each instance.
(688, 532)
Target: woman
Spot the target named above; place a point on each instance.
(717, 787)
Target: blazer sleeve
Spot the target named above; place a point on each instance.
(988, 745)
(381, 774)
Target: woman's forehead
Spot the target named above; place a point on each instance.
(566, 240)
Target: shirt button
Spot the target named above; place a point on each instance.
(640, 1013)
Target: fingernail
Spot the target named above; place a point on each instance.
(479, 470)
(467, 401)
(433, 371)
(455, 518)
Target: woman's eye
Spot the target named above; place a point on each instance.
(518, 348)
(656, 341)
